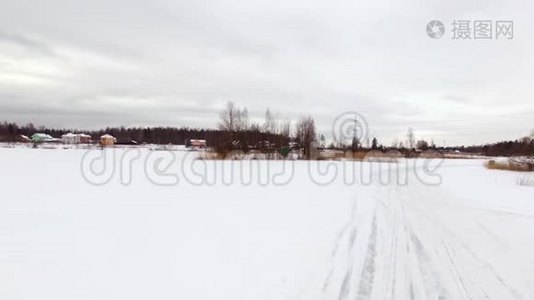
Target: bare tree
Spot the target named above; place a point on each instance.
(355, 144)
(255, 127)
(422, 145)
(228, 117)
(322, 140)
(306, 134)
(242, 122)
(234, 118)
(411, 138)
(285, 128)
(374, 144)
(270, 124)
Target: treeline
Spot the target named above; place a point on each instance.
(237, 132)
(521, 147)
(236, 126)
(9, 132)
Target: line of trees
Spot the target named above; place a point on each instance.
(239, 133)
(520, 147)
(235, 131)
(151, 135)
(9, 132)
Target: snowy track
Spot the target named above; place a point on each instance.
(429, 246)
(471, 237)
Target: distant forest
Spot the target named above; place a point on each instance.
(521, 147)
(150, 135)
(244, 138)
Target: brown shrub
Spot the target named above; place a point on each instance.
(509, 165)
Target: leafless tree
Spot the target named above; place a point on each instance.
(228, 117)
(411, 138)
(322, 141)
(242, 122)
(234, 118)
(270, 124)
(285, 128)
(306, 134)
(422, 145)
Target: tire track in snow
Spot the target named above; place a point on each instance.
(344, 229)
(430, 276)
(393, 254)
(483, 266)
(430, 280)
(340, 238)
(368, 272)
(344, 290)
(454, 268)
(345, 286)
(346, 258)
(394, 213)
(455, 271)
(386, 224)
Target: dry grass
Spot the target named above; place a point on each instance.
(455, 156)
(239, 155)
(341, 155)
(357, 155)
(208, 155)
(507, 166)
(330, 155)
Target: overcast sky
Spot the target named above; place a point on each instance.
(90, 64)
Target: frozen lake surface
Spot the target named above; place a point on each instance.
(469, 235)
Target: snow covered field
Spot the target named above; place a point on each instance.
(468, 236)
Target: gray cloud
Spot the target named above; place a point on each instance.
(99, 63)
(27, 43)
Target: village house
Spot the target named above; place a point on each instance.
(23, 139)
(70, 138)
(42, 137)
(85, 138)
(198, 144)
(107, 140)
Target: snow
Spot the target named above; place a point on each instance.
(468, 233)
